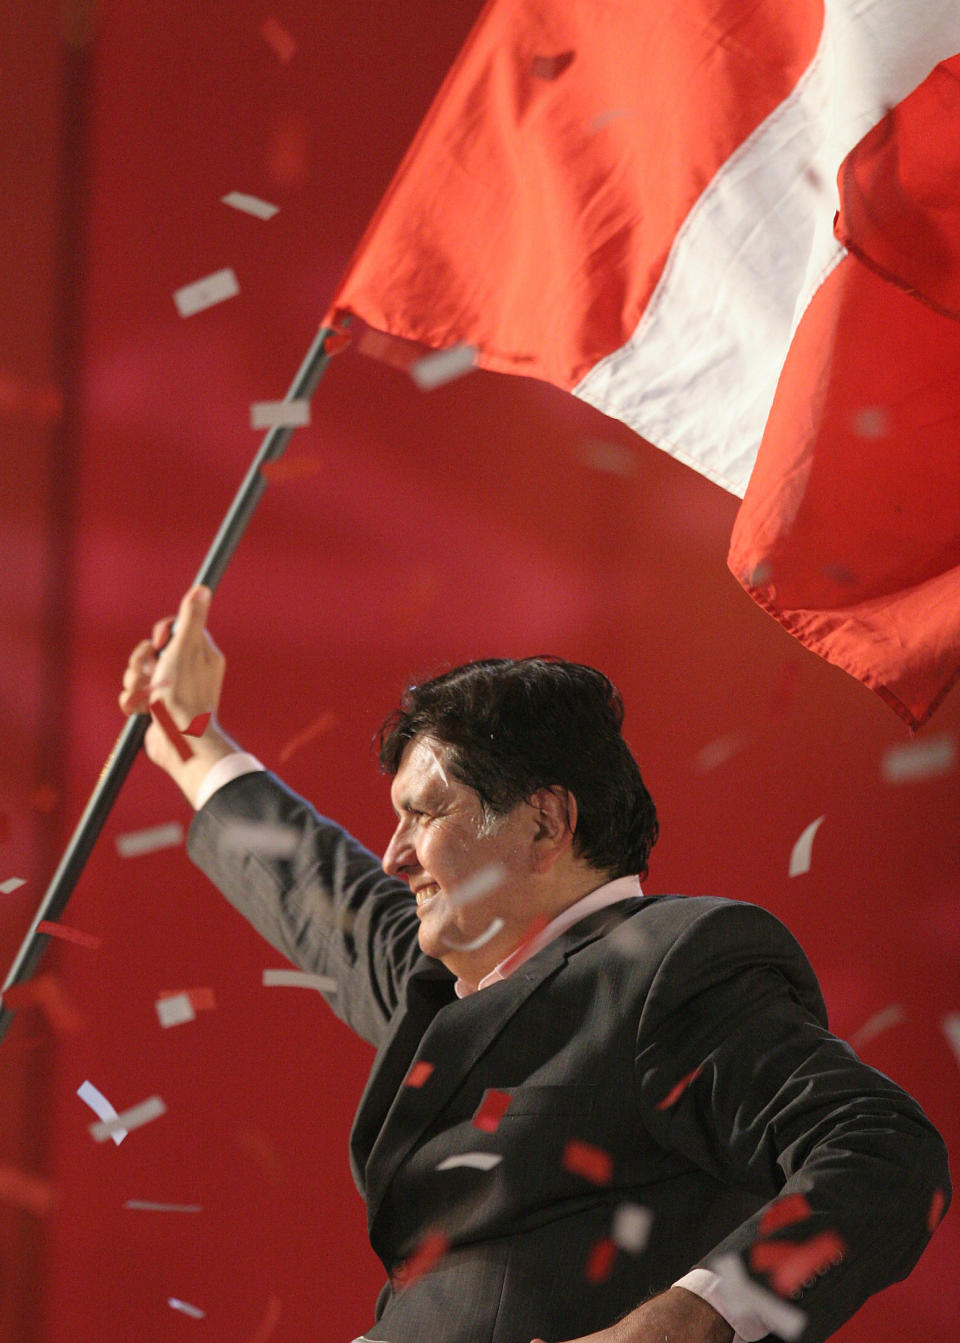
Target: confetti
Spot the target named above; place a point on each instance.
(611, 458)
(23, 1189)
(193, 298)
(872, 422)
(46, 992)
(99, 1104)
(12, 884)
(291, 468)
(937, 1204)
(266, 841)
(431, 1249)
(269, 1322)
(801, 853)
(164, 717)
(551, 67)
(267, 414)
(69, 934)
(198, 726)
(44, 798)
(434, 370)
(137, 842)
(719, 751)
(880, 1021)
(298, 979)
(631, 1227)
(582, 1158)
(322, 724)
(491, 1110)
(785, 1212)
(476, 1160)
(761, 573)
(675, 1092)
(481, 883)
(173, 1011)
(142, 1205)
(418, 1074)
(480, 941)
(277, 37)
(776, 1315)
(4, 828)
(251, 205)
(950, 1024)
(909, 762)
(335, 342)
(138, 1115)
(604, 119)
(599, 1264)
(194, 1312)
(790, 1264)
(201, 1000)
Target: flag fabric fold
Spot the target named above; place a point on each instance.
(638, 203)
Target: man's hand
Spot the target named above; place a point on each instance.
(186, 671)
(676, 1316)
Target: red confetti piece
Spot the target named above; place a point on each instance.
(430, 1250)
(491, 1111)
(197, 726)
(163, 716)
(600, 1261)
(291, 468)
(201, 1000)
(937, 1205)
(593, 1163)
(418, 1074)
(69, 934)
(790, 1265)
(277, 37)
(326, 721)
(269, 1322)
(786, 1211)
(26, 1190)
(336, 341)
(551, 67)
(46, 993)
(674, 1094)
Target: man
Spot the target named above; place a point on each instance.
(593, 1115)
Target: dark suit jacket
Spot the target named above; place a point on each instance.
(589, 1038)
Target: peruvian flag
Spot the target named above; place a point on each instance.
(735, 226)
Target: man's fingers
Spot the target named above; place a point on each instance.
(192, 616)
(161, 633)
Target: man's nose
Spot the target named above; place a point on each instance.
(400, 856)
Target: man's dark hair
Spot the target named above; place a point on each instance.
(514, 726)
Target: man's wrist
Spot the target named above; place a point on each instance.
(206, 751)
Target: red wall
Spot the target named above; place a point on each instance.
(478, 519)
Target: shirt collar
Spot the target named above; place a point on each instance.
(610, 893)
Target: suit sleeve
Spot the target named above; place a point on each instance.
(319, 897)
(737, 1071)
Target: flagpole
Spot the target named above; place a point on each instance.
(131, 738)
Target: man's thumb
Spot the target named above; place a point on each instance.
(194, 608)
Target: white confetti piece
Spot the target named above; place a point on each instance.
(222, 284)
(631, 1227)
(803, 849)
(298, 979)
(479, 885)
(486, 936)
(911, 761)
(251, 205)
(12, 884)
(143, 1205)
(99, 1104)
(719, 751)
(950, 1024)
(871, 422)
(476, 1160)
(613, 459)
(136, 842)
(268, 414)
(135, 1117)
(194, 1312)
(175, 1010)
(433, 370)
(266, 841)
(880, 1021)
(777, 1316)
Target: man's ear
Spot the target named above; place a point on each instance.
(556, 822)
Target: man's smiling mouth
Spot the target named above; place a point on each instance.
(426, 893)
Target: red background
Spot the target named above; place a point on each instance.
(493, 516)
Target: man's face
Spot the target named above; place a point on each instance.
(441, 847)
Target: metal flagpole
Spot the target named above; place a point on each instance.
(131, 738)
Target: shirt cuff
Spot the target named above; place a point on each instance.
(223, 772)
(746, 1324)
